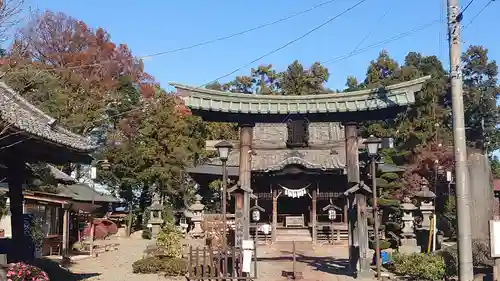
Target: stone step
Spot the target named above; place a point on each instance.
(293, 231)
(290, 238)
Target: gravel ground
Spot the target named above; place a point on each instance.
(116, 265)
(316, 263)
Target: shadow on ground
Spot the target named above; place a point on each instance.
(58, 273)
(322, 264)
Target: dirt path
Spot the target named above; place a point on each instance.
(116, 265)
(316, 263)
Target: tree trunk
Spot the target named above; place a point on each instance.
(480, 194)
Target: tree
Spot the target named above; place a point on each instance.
(89, 68)
(296, 80)
(480, 95)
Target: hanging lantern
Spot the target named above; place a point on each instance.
(332, 214)
(256, 215)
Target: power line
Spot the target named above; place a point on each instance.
(461, 14)
(370, 32)
(334, 60)
(377, 44)
(287, 44)
(203, 43)
(479, 13)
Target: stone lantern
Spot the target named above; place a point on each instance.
(197, 212)
(155, 218)
(425, 198)
(408, 241)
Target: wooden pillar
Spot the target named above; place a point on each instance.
(245, 176)
(358, 244)
(16, 179)
(275, 215)
(65, 239)
(346, 209)
(313, 212)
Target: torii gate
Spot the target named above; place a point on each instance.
(348, 108)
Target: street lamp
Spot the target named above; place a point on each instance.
(224, 148)
(372, 146)
(104, 164)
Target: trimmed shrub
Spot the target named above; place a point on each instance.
(480, 256)
(160, 264)
(146, 233)
(384, 244)
(419, 266)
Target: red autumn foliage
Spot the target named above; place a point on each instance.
(424, 164)
(76, 52)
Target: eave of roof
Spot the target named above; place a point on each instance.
(398, 95)
(22, 115)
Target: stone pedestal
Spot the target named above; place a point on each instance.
(409, 246)
(408, 241)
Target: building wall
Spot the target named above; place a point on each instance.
(318, 132)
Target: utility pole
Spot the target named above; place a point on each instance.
(460, 149)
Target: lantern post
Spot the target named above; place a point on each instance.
(372, 146)
(332, 215)
(224, 148)
(104, 164)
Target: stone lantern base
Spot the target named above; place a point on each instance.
(409, 246)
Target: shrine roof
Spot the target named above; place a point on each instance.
(17, 112)
(391, 97)
(275, 160)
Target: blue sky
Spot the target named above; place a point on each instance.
(154, 26)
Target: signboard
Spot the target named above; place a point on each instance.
(238, 229)
(495, 238)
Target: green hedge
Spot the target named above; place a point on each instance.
(157, 264)
(419, 266)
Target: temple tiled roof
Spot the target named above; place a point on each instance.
(274, 160)
(22, 115)
(402, 94)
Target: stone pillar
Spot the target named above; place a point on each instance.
(16, 179)
(313, 215)
(275, 215)
(408, 240)
(245, 178)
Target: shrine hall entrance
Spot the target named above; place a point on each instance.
(294, 212)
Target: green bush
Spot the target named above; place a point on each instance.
(419, 266)
(160, 264)
(480, 256)
(169, 240)
(146, 234)
(384, 244)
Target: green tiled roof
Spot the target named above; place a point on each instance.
(402, 94)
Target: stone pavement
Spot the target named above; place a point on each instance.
(316, 263)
